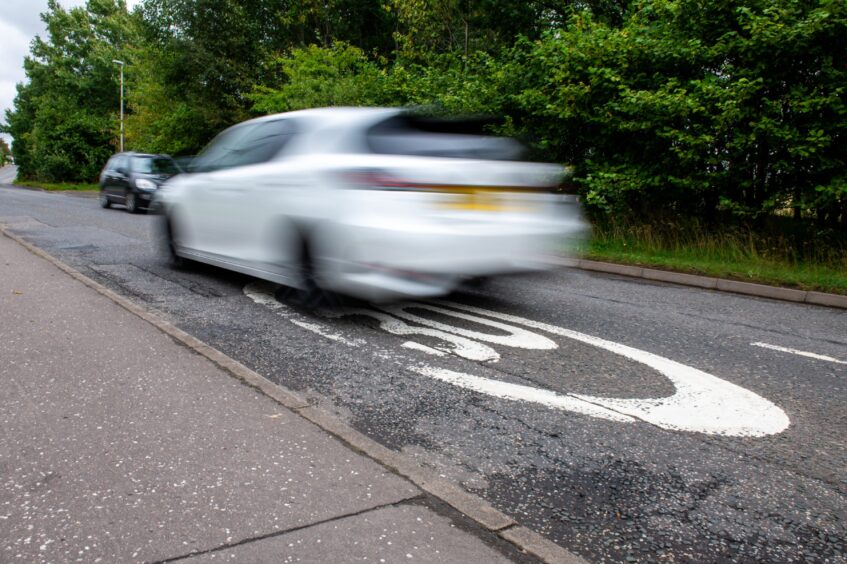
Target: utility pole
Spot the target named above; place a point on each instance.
(121, 63)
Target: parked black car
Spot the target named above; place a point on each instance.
(132, 178)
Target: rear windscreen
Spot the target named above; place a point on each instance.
(432, 137)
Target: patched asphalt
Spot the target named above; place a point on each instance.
(606, 490)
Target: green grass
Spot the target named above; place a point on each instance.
(737, 255)
(79, 187)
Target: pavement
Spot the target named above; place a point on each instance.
(120, 444)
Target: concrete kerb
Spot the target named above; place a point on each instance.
(720, 284)
(472, 506)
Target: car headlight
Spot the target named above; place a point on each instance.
(144, 184)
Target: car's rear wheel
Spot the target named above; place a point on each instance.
(105, 202)
(131, 203)
(310, 295)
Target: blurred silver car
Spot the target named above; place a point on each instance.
(379, 204)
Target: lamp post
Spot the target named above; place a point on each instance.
(121, 63)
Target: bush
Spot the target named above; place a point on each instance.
(340, 75)
(695, 108)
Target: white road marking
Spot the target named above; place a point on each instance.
(517, 337)
(460, 346)
(517, 392)
(702, 403)
(324, 332)
(799, 353)
(263, 293)
(423, 348)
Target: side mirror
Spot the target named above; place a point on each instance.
(121, 170)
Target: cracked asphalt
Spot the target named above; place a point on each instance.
(606, 489)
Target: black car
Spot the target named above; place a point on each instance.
(132, 178)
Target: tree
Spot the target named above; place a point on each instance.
(64, 118)
(200, 60)
(5, 152)
(694, 109)
(340, 75)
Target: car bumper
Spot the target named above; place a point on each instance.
(390, 262)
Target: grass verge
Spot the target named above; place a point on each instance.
(734, 255)
(80, 187)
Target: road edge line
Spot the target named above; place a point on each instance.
(470, 505)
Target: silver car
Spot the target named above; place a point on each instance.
(380, 204)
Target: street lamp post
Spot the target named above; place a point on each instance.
(121, 63)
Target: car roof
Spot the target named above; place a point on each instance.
(134, 154)
(333, 115)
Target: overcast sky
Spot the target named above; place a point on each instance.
(19, 24)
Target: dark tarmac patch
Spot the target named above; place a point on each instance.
(618, 511)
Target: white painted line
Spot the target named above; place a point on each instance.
(423, 348)
(263, 293)
(516, 336)
(518, 392)
(799, 353)
(460, 346)
(324, 332)
(702, 402)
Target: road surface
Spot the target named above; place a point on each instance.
(623, 419)
(8, 174)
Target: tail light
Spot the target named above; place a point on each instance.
(380, 180)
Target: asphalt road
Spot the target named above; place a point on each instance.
(623, 419)
(8, 174)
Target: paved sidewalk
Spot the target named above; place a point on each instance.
(117, 444)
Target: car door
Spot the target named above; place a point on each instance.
(230, 204)
(119, 178)
(107, 176)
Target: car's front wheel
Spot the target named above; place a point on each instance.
(170, 244)
(131, 203)
(105, 202)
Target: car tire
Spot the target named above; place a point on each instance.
(131, 203)
(174, 259)
(311, 295)
(105, 202)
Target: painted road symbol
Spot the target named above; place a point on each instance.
(701, 402)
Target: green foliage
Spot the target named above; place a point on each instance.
(695, 108)
(202, 64)
(5, 152)
(729, 252)
(64, 119)
(60, 187)
(427, 28)
(730, 112)
(340, 75)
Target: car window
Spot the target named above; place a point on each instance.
(121, 163)
(154, 165)
(218, 148)
(244, 145)
(452, 138)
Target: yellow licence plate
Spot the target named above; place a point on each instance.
(473, 200)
